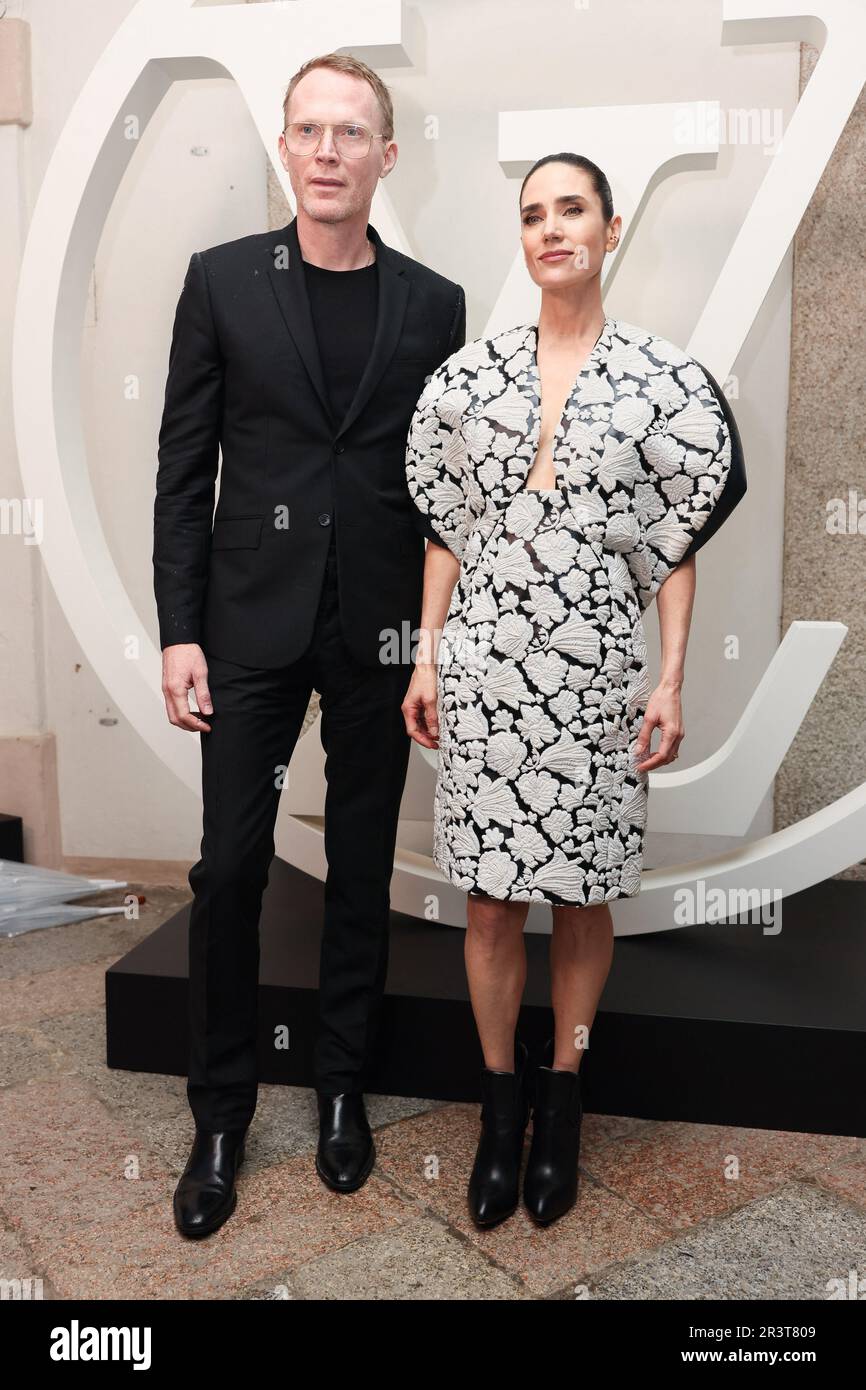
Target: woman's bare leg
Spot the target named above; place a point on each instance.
(495, 957)
(581, 951)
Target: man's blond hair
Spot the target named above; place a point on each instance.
(343, 62)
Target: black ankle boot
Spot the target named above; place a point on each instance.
(494, 1186)
(550, 1182)
(346, 1152)
(206, 1196)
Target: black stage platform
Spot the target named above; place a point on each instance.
(714, 1024)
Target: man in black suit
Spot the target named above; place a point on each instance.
(301, 353)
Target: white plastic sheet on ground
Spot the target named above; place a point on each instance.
(31, 897)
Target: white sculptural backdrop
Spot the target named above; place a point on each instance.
(257, 45)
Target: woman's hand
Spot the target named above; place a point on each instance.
(664, 711)
(419, 707)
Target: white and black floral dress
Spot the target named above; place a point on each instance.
(542, 678)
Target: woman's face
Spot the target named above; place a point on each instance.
(563, 231)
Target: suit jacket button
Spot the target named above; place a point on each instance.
(324, 518)
(339, 448)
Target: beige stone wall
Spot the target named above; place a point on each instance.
(825, 574)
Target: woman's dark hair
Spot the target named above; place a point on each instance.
(579, 161)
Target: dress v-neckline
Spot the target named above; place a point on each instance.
(535, 380)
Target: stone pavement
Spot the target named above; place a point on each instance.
(89, 1159)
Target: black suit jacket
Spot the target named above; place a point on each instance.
(244, 375)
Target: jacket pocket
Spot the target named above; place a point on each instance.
(236, 533)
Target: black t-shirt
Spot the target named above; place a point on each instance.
(344, 304)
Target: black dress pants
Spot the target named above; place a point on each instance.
(257, 717)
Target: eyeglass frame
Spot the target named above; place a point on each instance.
(332, 126)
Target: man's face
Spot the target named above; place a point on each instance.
(329, 186)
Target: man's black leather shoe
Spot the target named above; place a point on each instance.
(206, 1195)
(346, 1152)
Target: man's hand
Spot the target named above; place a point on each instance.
(183, 669)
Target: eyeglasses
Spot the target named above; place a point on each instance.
(352, 141)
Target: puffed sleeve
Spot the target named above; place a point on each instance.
(437, 465)
(691, 476)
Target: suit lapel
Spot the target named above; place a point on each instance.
(290, 288)
(286, 274)
(393, 296)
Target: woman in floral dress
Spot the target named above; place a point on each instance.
(566, 472)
